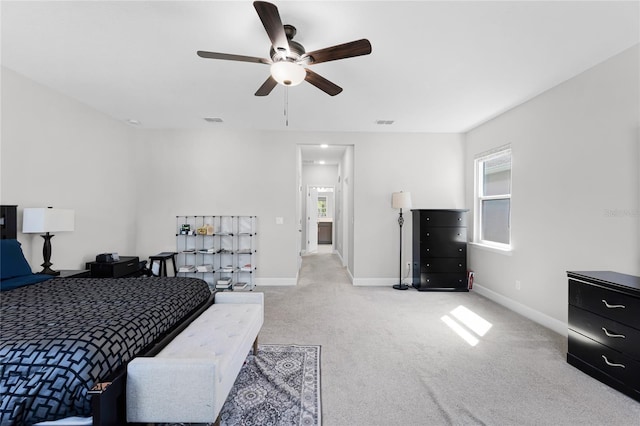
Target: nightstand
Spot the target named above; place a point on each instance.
(127, 266)
(74, 273)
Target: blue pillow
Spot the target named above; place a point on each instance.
(12, 261)
(23, 280)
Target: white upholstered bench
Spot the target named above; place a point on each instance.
(190, 379)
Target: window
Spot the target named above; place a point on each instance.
(322, 206)
(493, 198)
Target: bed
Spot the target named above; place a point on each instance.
(61, 337)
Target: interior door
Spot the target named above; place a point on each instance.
(312, 219)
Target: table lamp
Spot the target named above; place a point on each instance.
(46, 220)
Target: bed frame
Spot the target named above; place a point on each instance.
(108, 402)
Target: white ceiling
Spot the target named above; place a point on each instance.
(435, 67)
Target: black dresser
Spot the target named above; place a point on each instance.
(604, 328)
(440, 250)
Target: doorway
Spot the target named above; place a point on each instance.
(325, 201)
(320, 214)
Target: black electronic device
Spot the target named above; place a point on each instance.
(107, 257)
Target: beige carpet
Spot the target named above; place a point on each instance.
(389, 359)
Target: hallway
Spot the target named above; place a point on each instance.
(321, 268)
(324, 249)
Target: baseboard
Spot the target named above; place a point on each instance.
(275, 281)
(374, 282)
(350, 276)
(536, 316)
(344, 265)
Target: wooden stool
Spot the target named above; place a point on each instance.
(162, 259)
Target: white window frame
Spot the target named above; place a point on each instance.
(479, 198)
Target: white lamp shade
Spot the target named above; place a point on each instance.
(288, 73)
(38, 220)
(401, 200)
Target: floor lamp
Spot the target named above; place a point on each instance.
(401, 200)
(46, 220)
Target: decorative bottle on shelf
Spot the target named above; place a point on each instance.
(209, 229)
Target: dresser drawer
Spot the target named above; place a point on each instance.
(430, 218)
(434, 280)
(607, 360)
(603, 330)
(444, 242)
(443, 235)
(457, 250)
(444, 265)
(608, 303)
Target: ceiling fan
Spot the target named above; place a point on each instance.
(288, 58)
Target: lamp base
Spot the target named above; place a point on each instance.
(400, 286)
(49, 271)
(46, 253)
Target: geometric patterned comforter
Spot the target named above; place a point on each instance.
(59, 337)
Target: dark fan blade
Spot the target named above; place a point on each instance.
(270, 18)
(229, 57)
(341, 51)
(322, 83)
(266, 87)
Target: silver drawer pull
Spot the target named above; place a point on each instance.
(613, 335)
(612, 364)
(612, 306)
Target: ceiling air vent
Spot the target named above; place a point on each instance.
(213, 119)
(384, 122)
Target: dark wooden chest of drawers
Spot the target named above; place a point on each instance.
(440, 250)
(604, 328)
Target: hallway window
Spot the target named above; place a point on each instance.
(493, 198)
(322, 206)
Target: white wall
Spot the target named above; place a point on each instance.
(246, 172)
(220, 172)
(575, 197)
(58, 152)
(430, 166)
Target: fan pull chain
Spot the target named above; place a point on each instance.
(286, 106)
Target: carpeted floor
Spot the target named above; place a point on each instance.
(388, 358)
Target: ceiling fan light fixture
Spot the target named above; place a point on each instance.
(288, 73)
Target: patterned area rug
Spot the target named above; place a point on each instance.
(278, 386)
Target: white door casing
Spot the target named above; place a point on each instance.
(312, 219)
